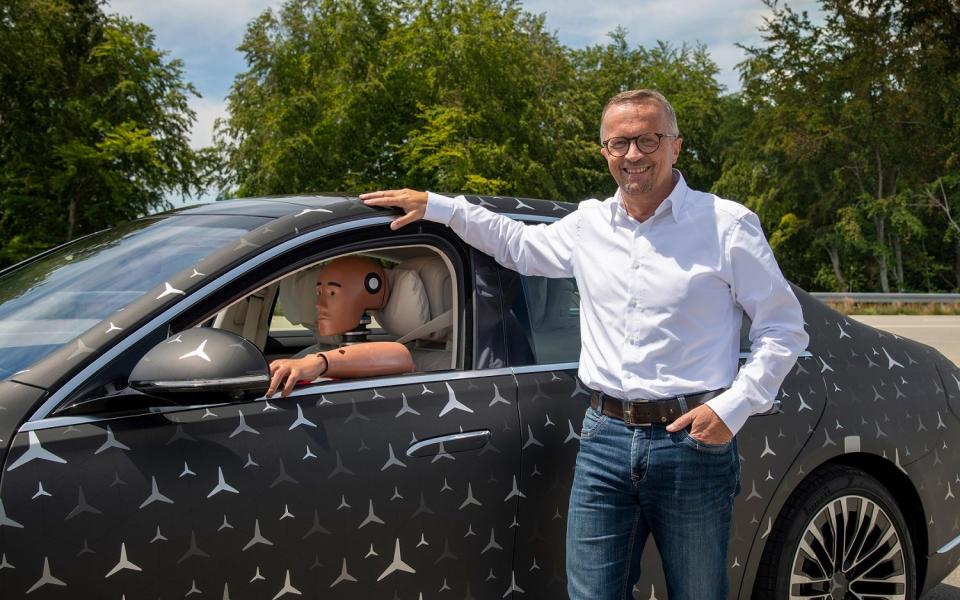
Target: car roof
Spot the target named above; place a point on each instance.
(280, 206)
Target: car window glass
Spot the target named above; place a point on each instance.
(48, 302)
(548, 312)
(745, 333)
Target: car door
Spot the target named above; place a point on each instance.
(543, 344)
(387, 487)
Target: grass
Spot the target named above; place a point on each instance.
(896, 308)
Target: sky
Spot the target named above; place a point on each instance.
(205, 35)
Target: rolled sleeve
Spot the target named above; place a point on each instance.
(777, 335)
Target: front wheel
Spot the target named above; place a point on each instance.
(840, 536)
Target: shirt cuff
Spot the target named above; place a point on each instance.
(732, 408)
(439, 208)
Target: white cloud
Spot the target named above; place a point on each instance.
(208, 111)
(204, 34)
(195, 21)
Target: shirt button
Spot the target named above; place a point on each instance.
(635, 265)
(633, 303)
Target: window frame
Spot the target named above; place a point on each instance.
(250, 276)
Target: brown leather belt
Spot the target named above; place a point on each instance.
(647, 412)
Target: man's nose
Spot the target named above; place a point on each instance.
(633, 151)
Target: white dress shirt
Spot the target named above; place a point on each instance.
(660, 301)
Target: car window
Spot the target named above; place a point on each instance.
(547, 312)
(46, 303)
(269, 318)
(281, 318)
(745, 333)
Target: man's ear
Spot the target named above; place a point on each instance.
(677, 144)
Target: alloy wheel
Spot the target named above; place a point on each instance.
(850, 550)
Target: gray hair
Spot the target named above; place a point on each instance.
(642, 97)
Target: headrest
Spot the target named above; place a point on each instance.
(298, 297)
(407, 307)
(438, 286)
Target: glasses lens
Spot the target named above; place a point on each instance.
(618, 146)
(648, 143)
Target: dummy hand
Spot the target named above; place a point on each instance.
(413, 203)
(705, 426)
(287, 372)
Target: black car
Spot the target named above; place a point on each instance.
(141, 459)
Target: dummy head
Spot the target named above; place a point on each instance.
(346, 287)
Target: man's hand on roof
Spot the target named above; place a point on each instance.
(413, 203)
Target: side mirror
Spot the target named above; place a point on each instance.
(202, 365)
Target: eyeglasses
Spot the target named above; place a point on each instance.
(648, 143)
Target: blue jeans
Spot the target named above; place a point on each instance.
(634, 481)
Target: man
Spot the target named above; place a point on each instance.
(664, 272)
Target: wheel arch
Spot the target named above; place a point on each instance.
(905, 494)
(896, 482)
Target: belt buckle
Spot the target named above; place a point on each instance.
(628, 414)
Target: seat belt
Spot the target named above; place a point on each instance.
(251, 323)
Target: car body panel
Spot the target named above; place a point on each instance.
(212, 497)
(16, 400)
(950, 375)
(552, 403)
(870, 411)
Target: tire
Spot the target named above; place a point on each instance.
(801, 557)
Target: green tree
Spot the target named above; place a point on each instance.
(842, 134)
(456, 95)
(447, 94)
(94, 124)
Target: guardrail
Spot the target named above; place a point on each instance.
(880, 298)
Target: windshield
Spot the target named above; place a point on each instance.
(50, 301)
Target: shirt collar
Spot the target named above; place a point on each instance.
(674, 202)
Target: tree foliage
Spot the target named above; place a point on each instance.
(852, 120)
(460, 95)
(94, 123)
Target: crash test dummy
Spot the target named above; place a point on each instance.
(346, 288)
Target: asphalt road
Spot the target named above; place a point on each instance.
(943, 333)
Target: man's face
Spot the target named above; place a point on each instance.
(639, 175)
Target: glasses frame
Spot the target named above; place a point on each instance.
(635, 141)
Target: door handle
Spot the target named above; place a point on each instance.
(453, 442)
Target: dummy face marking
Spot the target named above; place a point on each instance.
(346, 287)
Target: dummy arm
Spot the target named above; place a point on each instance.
(359, 360)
